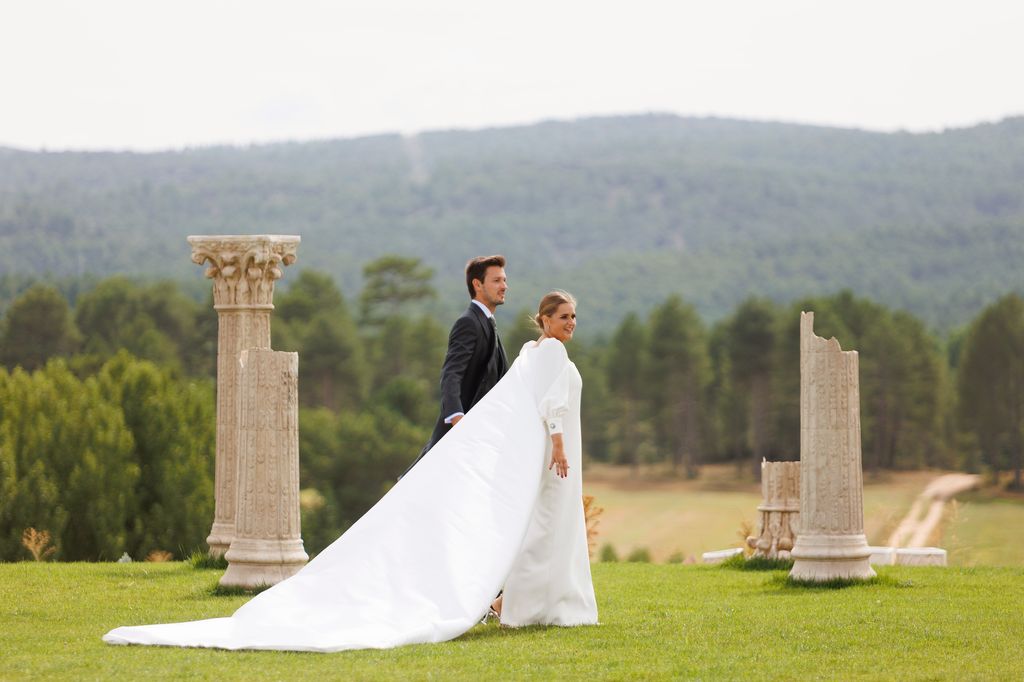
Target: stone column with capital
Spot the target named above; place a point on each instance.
(267, 544)
(243, 269)
(830, 541)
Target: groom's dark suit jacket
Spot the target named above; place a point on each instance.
(475, 362)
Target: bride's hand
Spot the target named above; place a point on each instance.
(558, 460)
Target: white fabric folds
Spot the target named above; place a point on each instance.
(550, 580)
(425, 562)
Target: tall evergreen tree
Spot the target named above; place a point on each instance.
(173, 427)
(310, 293)
(403, 347)
(153, 322)
(29, 489)
(314, 320)
(678, 374)
(990, 385)
(903, 392)
(407, 347)
(729, 403)
(752, 354)
(38, 326)
(72, 457)
(332, 370)
(627, 380)
(390, 284)
(599, 408)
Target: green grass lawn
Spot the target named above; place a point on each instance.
(982, 530)
(658, 622)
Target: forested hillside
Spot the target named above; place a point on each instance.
(621, 211)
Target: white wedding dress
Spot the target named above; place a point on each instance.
(480, 512)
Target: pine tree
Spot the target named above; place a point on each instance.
(37, 327)
(173, 427)
(627, 375)
(678, 373)
(990, 385)
(391, 283)
(313, 318)
(74, 472)
(751, 342)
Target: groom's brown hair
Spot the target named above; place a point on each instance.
(476, 268)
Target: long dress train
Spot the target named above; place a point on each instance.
(425, 562)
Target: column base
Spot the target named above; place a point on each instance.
(220, 538)
(253, 563)
(819, 558)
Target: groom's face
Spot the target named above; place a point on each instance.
(491, 290)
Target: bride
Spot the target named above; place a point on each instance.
(497, 504)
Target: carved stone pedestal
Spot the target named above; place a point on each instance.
(830, 542)
(779, 510)
(243, 269)
(267, 547)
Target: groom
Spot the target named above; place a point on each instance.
(476, 360)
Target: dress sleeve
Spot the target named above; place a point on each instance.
(551, 383)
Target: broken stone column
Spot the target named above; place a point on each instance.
(779, 510)
(267, 547)
(243, 269)
(830, 542)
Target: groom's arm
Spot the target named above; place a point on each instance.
(461, 343)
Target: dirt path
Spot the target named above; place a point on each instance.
(926, 513)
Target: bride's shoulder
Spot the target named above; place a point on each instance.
(546, 341)
(545, 346)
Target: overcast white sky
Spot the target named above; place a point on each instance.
(135, 74)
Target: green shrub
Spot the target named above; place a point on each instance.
(202, 560)
(639, 555)
(739, 562)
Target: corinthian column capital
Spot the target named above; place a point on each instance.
(244, 267)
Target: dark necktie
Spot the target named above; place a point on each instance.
(497, 342)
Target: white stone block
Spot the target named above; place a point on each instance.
(882, 556)
(720, 555)
(921, 556)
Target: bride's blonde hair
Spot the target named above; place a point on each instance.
(549, 304)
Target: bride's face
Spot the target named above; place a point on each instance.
(562, 323)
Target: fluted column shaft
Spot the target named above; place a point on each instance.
(267, 546)
(831, 541)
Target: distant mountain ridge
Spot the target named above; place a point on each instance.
(619, 210)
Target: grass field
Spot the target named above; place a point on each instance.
(657, 622)
(668, 516)
(983, 530)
